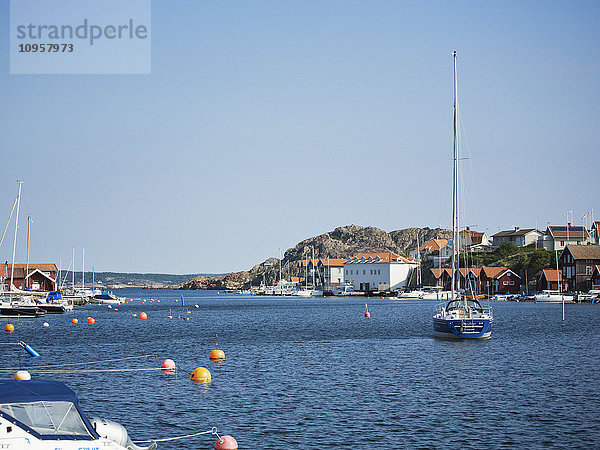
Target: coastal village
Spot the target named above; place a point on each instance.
(369, 261)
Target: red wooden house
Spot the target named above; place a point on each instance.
(499, 280)
(39, 277)
(549, 280)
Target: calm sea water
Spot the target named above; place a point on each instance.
(314, 373)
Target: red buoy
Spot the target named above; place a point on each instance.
(216, 355)
(167, 365)
(367, 314)
(226, 443)
(143, 316)
(91, 320)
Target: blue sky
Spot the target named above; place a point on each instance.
(263, 123)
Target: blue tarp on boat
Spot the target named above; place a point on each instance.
(35, 391)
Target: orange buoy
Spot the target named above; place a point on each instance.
(74, 321)
(217, 355)
(168, 365)
(367, 313)
(22, 375)
(45, 324)
(91, 320)
(9, 328)
(143, 316)
(201, 375)
(226, 443)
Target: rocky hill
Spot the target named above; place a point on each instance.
(232, 281)
(342, 242)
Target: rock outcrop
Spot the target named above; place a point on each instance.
(232, 281)
(342, 242)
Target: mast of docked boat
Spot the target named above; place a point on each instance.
(419, 261)
(12, 270)
(455, 185)
(82, 269)
(27, 263)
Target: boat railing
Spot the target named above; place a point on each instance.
(440, 309)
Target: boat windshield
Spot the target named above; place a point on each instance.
(48, 418)
(472, 305)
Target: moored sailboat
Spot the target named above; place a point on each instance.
(461, 317)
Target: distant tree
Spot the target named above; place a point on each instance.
(506, 249)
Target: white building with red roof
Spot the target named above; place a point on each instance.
(386, 271)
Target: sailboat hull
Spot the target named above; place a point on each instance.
(478, 328)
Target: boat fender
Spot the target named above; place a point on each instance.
(116, 433)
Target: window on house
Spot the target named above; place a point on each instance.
(588, 270)
(512, 283)
(364, 272)
(505, 283)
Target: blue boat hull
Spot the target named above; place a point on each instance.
(463, 328)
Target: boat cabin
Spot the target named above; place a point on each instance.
(46, 410)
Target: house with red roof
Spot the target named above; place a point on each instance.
(385, 271)
(483, 280)
(328, 272)
(473, 240)
(558, 237)
(549, 280)
(36, 277)
(499, 280)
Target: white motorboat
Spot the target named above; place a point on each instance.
(343, 290)
(308, 292)
(414, 293)
(45, 415)
(104, 297)
(552, 297)
(282, 287)
(435, 293)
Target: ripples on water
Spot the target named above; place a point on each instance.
(313, 373)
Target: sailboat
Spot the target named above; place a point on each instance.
(461, 317)
(13, 303)
(417, 292)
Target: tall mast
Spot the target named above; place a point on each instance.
(27, 265)
(73, 269)
(12, 271)
(455, 184)
(419, 261)
(83, 268)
